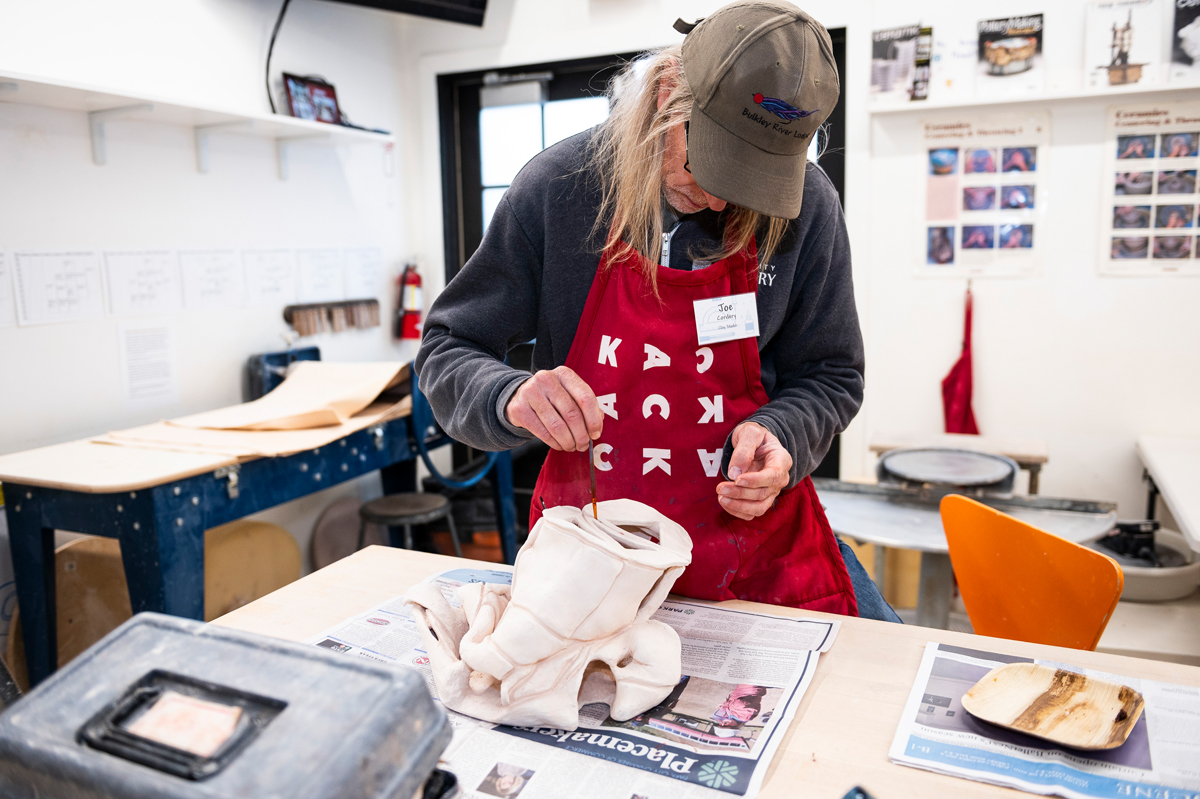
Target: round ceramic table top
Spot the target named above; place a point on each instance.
(958, 467)
(884, 521)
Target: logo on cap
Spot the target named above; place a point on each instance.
(783, 110)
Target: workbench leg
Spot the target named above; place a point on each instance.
(1035, 469)
(880, 564)
(164, 567)
(937, 589)
(506, 506)
(32, 549)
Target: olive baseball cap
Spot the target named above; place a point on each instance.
(763, 78)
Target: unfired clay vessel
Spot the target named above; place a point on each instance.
(574, 628)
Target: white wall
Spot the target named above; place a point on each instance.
(1083, 362)
(61, 382)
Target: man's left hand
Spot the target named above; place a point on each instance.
(759, 470)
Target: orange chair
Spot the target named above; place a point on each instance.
(1022, 583)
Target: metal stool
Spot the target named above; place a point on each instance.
(405, 510)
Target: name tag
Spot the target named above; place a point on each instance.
(726, 318)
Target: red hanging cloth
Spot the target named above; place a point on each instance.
(957, 385)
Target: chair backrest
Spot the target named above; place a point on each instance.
(1023, 583)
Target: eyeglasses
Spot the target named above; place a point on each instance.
(685, 147)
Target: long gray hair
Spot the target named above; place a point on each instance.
(627, 156)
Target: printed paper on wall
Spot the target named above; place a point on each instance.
(1123, 45)
(893, 61)
(1185, 42)
(1148, 211)
(985, 194)
(1010, 56)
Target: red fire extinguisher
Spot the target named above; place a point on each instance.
(409, 304)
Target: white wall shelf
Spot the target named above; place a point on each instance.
(103, 106)
(1140, 96)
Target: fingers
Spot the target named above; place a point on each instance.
(747, 509)
(747, 438)
(760, 468)
(735, 491)
(585, 400)
(773, 470)
(559, 408)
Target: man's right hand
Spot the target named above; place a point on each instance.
(558, 407)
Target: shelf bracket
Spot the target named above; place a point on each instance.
(282, 143)
(96, 120)
(201, 133)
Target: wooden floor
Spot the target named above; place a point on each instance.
(486, 546)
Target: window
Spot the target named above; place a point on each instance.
(493, 122)
(510, 133)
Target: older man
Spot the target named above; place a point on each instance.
(686, 275)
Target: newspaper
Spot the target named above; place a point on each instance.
(744, 677)
(1161, 758)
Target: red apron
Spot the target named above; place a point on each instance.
(669, 407)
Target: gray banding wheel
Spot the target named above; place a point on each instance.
(956, 467)
(405, 510)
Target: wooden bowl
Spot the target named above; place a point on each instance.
(1063, 707)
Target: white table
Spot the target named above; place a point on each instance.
(1173, 465)
(884, 521)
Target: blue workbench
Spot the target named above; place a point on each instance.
(161, 524)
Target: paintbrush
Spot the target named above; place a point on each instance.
(592, 466)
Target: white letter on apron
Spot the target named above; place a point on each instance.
(714, 410)
(604, 449)
(656, 458)
(655, 357)
(664, 408)
(711, 461)
(608, 404)
(706, 359)
(608, 350)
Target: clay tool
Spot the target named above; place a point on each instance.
(592, 466)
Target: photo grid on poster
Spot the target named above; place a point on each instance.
(985, 195)
(1148, 217)
(1123, 45)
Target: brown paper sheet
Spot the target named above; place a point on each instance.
(249, 444)
(315, 394)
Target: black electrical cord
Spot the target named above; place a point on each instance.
(270, 49)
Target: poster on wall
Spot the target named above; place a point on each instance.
(985, 194)
(1123, 45)
(955, 59)
(1010, 56)
(1185, 42)
(1148, 210)
(893, 60)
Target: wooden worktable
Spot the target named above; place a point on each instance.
(845, 723)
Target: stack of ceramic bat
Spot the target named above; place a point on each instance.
(335, 317)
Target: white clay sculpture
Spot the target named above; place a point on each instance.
(573, 629)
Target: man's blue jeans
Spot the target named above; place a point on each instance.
(871, 604)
